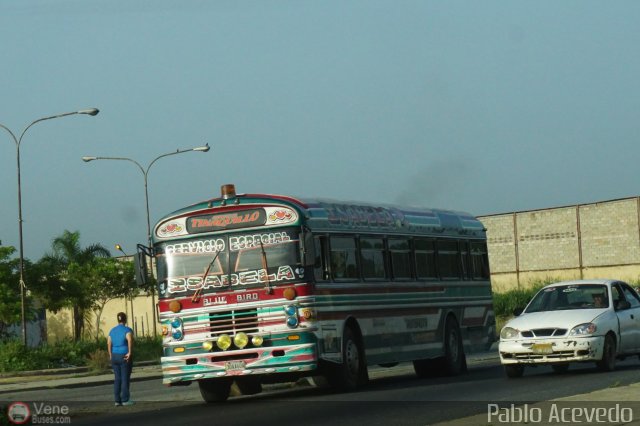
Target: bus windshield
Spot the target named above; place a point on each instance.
(233, 261)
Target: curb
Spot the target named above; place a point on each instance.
(63, 371)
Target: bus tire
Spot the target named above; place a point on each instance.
(249, 386)
(215, 390)
(352, 372)
(454, 359)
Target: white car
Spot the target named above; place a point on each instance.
(573, 321)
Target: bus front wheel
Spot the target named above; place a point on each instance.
(352, 372)
(215, 390)
(249, 386)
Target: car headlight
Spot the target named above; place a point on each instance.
(583, 329)
(509, 333)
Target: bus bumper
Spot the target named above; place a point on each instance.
(253, 362)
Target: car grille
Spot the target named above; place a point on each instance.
(544, 332)
(232, 322)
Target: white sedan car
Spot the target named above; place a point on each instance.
(573, 321)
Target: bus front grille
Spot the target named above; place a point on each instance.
(233, 322)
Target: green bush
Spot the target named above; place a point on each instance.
(98, 361)
(15, 357)
(147, 349)
(505, 303)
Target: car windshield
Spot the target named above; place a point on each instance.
(238, 260)
(572, 296)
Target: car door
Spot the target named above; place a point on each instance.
(627, 319)
(634, 301)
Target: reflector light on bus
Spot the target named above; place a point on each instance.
(207, 346)
(257, 340)
(175, 306)
(289, 293)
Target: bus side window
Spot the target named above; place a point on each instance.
(320, 266)
(425, 259)
(448, 259)
(400, 258)
(465, 259)
(344, 263)
(373, 256)
(479, 261)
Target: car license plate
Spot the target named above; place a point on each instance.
(234, 365)
(541, 348)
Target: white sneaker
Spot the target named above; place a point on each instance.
(128, 403)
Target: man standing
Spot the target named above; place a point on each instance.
(119, 345)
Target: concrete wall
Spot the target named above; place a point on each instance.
(599, 240)
(60, 324)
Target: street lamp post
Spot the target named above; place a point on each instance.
(18, 141)
(145, 173)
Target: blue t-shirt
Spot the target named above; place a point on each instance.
(119, 340)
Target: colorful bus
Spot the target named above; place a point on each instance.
(257, 288)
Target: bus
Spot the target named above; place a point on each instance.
(257, 288)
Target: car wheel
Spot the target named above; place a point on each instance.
(514, 370)
(608, 361)
(560, 368)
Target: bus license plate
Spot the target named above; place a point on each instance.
(542, 348)
(234, 365)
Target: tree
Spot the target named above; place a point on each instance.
(67, 288)
(103, 280)
(10, 305)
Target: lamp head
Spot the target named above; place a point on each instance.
(91, 111)
(202, 148)
(87, 159)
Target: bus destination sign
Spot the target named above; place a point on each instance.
(222, 221)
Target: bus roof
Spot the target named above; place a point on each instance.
(333, 216)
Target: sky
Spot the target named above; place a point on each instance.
(485, 107)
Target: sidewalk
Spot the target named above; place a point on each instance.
(70, 377)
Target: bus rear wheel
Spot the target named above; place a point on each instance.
(215, 390)
(352, 372)
(454, 359)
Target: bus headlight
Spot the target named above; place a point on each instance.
(257, 340)
(224, 342)
(291, 311)
(177, 328)
(240, 340)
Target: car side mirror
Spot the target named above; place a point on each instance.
(518, 311)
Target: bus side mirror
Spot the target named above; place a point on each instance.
(140, 266)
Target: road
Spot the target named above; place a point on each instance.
(394, 396)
